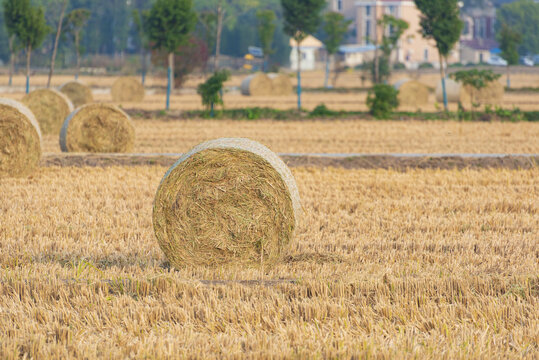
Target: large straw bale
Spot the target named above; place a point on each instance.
(20, 139)
(455, 92)
(281, 84)
(78, 93)
(50, 108)
(258, 84)
(412, 93)
(227, 201)
(492, 94)
(97, 128)
(127, 89)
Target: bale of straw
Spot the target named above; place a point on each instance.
(412, 93)
(20, 140)
(492, 94)
(281, 84)
(227, 201)
(258, 84)
(455, 92)
(50, 108)
(127, 89)
(78, 93)
(97, 128)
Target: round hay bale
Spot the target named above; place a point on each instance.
(78, 93)
(126, 89)
(97, 128)
(226, 201)
(281, 84)
(492, 94)
(412, 93)
(50, 108)
(455, 92)
(20, 140)
(258, 84)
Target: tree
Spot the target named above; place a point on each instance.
(475, 80)
(509, 41)
(266, 30)
(440, 21)
(139, 19)
(75, 22)
(211, 90)
(394, 28)
(335, 28)
(301, 18)
(169, 26)
(522, 17)
(30, 28)
(56, 41)
(226, 13)
(382, 100)
(13, 10)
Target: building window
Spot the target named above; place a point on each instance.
(368, 10)
(339, 5)
(368, 31)
(391, 10)
(426, 55)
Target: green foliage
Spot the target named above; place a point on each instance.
(207, 25)
(169, 24)
(523, 18)
(398, 27)
(477, 79)
(440, 21)
(301, 17)
(426, 65)
(139, 20)
(382, 101)
(383, 69)
(266, 29)
(211, 89)
(335, 27)
(231, 9)
(321, 111)
(509, 41)
(74, 22)
(26, 22)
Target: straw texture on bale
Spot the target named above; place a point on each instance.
(97, 128)
(126, 89)
(78, 93)
(50, 108)
(20, 140)
(455, 92)
(491, 94)
(412, 93)
(258, 84)
(281, 84)
(227, 201)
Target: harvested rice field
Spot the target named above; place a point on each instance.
(351, 136)
(414, 264)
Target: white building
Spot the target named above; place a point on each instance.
(310, 53)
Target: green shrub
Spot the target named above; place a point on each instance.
(382, 100)
(322, 111)
(426, 65)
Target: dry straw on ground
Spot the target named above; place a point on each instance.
(258, 84)
(78, 93)
(20, 139)
(412, 93)
(97, 128)
(281, 84)
(127, 89)
(226, 201)
(50, 108)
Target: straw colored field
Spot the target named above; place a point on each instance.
(354, 136)
(423, 264)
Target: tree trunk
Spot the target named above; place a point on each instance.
(299, 73)
(376, 58)
(28, 56)
(77, 71)
(508, 77)
(56, 40)
(220, 16)
(11, 58)
(143, 64)
(170, 77)
(326, 80)
(442, 74)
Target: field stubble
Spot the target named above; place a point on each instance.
(419, 263)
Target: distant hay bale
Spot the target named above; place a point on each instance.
(492, 94)
(412, 93)
(226, 201)
(50, 108)
(281, 84)
(20, 140)
(126, 89)
(78, 93)
(455, 92)
(97, 128)
(258, 84)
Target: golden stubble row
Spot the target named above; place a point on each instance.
(352, 136)
(386, 264)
